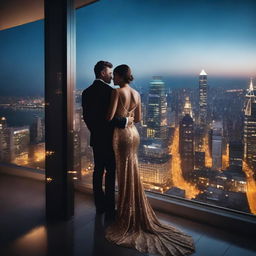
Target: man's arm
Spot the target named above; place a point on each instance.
(120, 122)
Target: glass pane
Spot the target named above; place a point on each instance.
(22, 135)
(192, 62)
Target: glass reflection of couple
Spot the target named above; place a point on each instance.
(110, 115)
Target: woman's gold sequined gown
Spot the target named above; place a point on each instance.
(136, 224)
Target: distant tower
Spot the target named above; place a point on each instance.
(199, 162)
(187, 107)
(18, 142)
(250, 128)
(186, 147)
(37, 130)
(203, 98)
(217, 133)
(157, 110)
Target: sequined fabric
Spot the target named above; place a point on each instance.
(136, 224)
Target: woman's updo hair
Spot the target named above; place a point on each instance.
(124, 72)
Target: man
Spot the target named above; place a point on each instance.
(95, 103)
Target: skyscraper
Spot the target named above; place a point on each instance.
(37, 130)
(236, 154)
(187, 107)
(18, 139)
(217, 133)
(203, 89)
(186, 146)
(157, 110)
(250, 128)
(3, 138)
(199, 161)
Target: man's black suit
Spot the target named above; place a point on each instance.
(95, 103)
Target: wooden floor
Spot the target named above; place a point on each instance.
(24, 231)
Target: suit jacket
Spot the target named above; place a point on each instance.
(95, 103)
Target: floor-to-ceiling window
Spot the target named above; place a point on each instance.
(194, 66)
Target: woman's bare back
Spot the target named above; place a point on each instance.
(125, 102)
(128, 100)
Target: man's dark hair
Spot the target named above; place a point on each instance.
(100, 65)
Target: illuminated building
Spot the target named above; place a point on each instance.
(250, 128)
(143, 108)
(217, 132)
(187, 107)
(199, 139)
(157, 110)
(186, 145)
(77, 141)
(230, 180)
(3, 123)
(18, 142)
(236, 155)
(236, 180)
(37, 131)
(21, 139)
(86, 154)
(199, 162)
(142, 125)
(3, 138)
(203, 98)
(155, 167)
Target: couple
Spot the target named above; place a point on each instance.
(110, 115)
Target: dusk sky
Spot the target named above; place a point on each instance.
(172, 38)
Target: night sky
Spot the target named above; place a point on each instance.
(172, 38)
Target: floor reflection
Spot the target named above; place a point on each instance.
(32, 242)
(60, 238)
(98, 235)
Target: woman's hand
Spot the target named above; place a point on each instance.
(130, 120)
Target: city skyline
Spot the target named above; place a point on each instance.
(180, 153)
(172, 39)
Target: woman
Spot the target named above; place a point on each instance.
(136, 224)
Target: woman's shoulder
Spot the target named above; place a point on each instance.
(136, 93)
(127, 91)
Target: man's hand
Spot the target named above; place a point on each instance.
(130, 120)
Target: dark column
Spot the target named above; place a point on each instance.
(59, 107)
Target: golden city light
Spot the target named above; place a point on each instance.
(251, 187)
(206, 149)
(49, 152)
(39, 155)
(48, 179)
(74, 172)
(21, 160)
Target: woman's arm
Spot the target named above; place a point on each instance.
(137, 112)
(113, 105)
